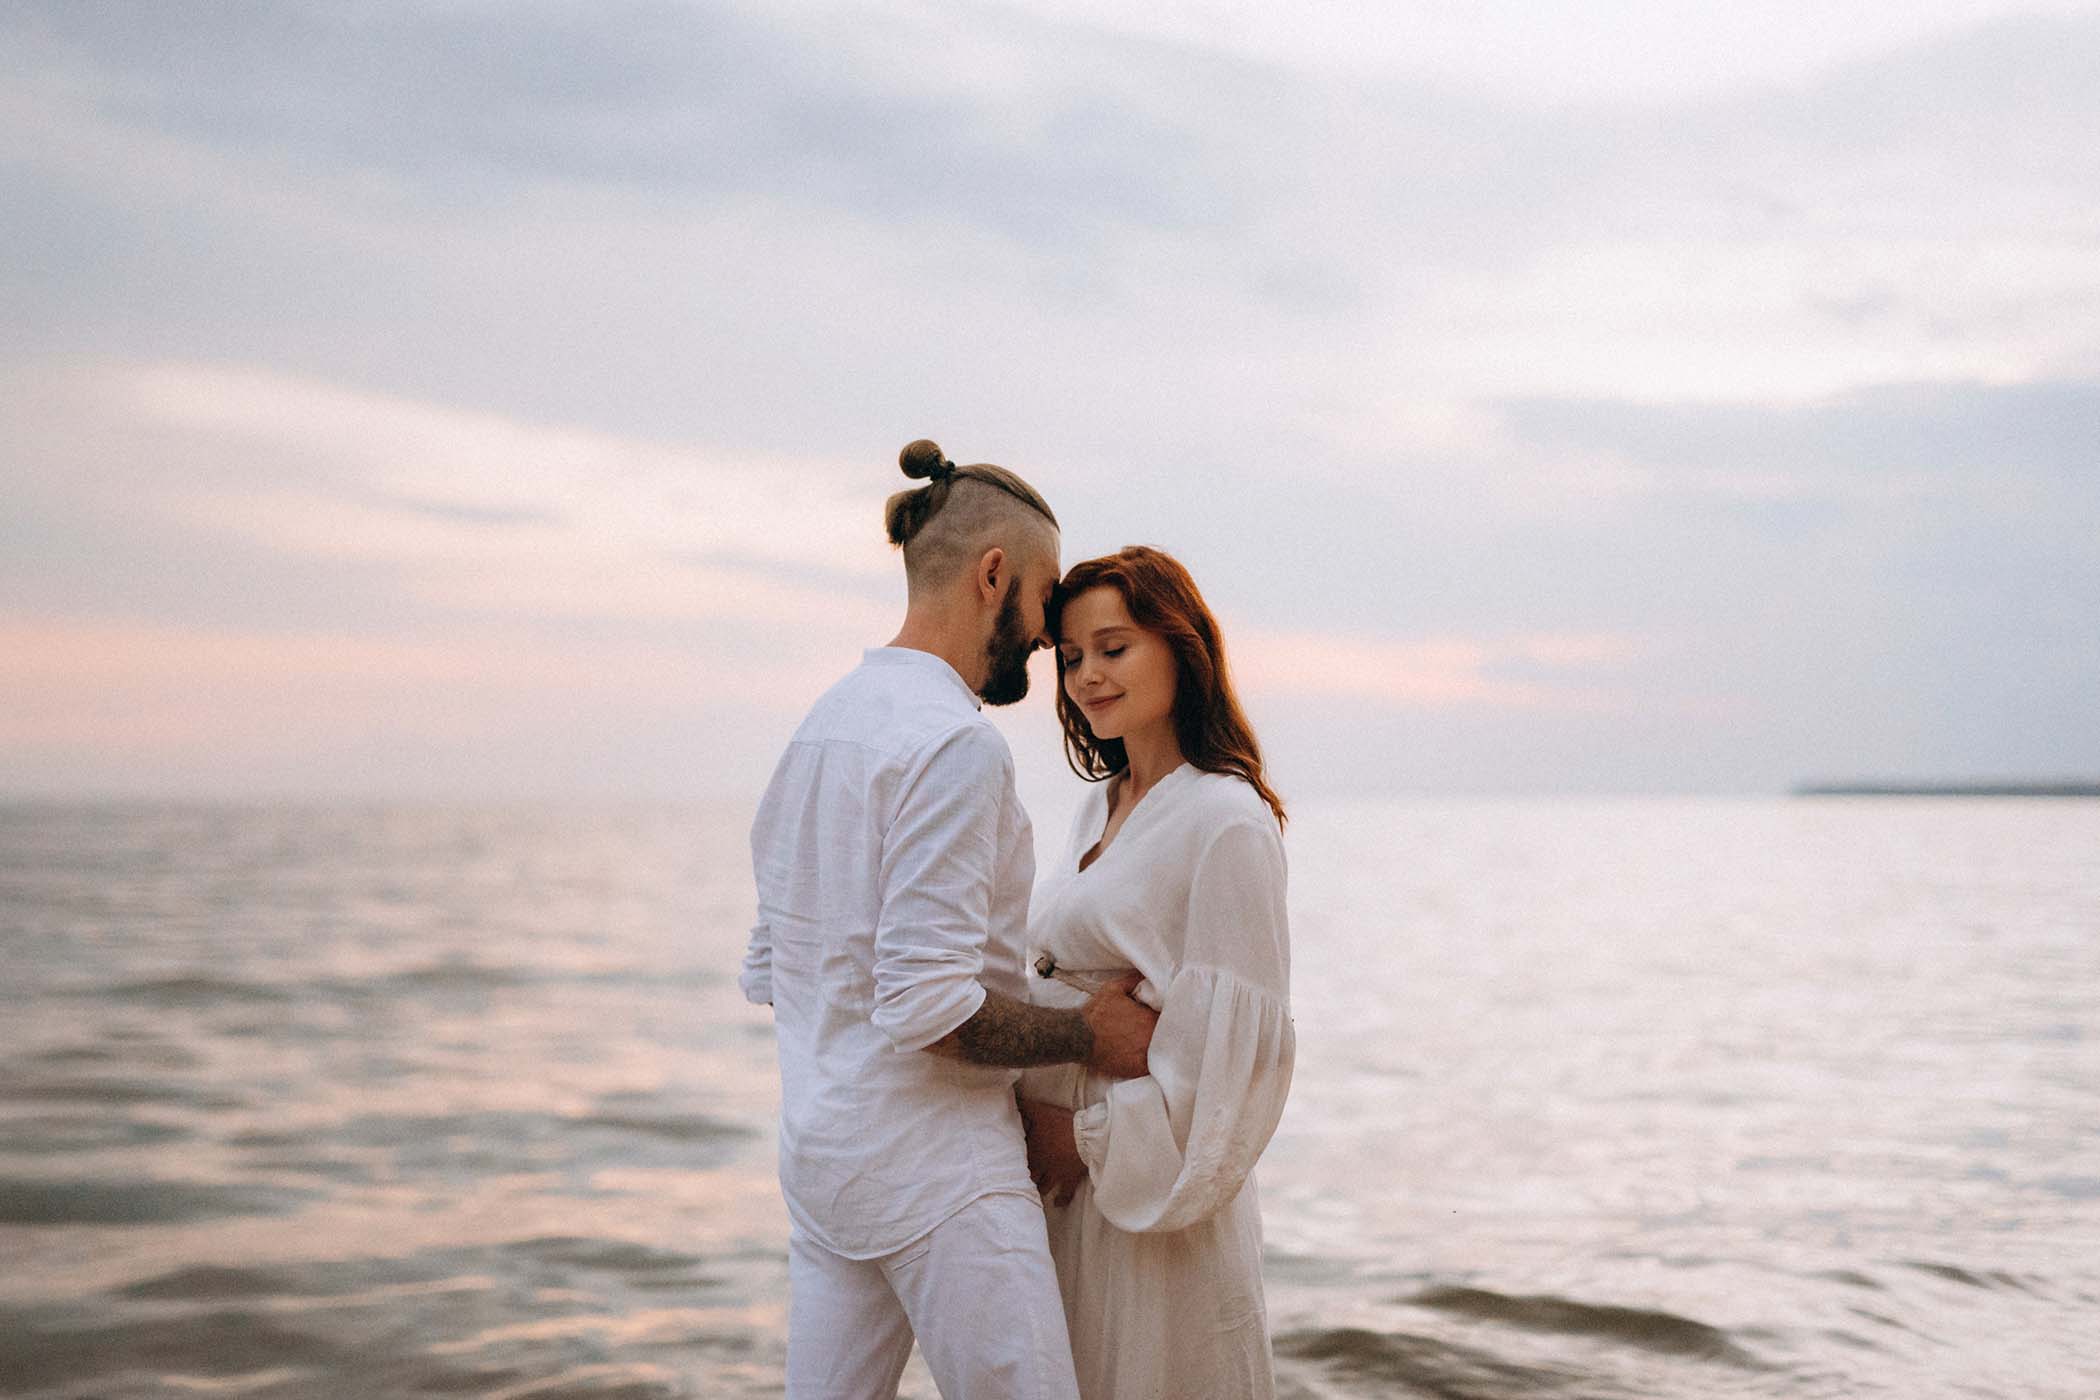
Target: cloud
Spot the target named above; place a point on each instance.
(143, 707)
(1001, 215)
(1545, 55)
(424, 326)
(463, 101)
(1433, 673)
(488, 514)
(1943, 439)
(456, 512)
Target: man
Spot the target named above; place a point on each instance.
(894, 865)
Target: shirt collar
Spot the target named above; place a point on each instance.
(925, 661)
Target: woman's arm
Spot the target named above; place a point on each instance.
(1171, 1148)
(1054, 1163)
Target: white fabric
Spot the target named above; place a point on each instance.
(978, 1290)
(1159, 1252)
(894, 865)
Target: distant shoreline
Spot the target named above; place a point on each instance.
(1898, 789)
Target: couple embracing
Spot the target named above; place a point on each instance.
(1024, 1135)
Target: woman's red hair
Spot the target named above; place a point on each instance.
(1208, 723)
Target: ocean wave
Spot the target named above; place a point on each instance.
(1424, 1365)
(195, 990)
(447, 976)
(1990, 1279)
(497, 1142)
(1648, 1330)
(533, 1317)
(64, 1201)
(637, 1266)
(610, 1256)
(53, 1134)
(119, 1091)
(40, 1350)
(202, 1282)
(603, 1382)
(677, 1127)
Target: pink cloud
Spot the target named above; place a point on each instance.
(1430, 673)
(140, 687)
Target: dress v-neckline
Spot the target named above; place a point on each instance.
(1098, 852)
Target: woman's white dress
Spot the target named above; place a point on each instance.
(1159, 1252)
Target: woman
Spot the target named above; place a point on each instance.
(1175, 868)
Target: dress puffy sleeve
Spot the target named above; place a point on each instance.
(1169, 1149)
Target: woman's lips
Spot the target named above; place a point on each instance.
(1101, 703)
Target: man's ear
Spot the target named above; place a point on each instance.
(991, 574)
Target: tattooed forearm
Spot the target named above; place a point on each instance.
(1016, 1035)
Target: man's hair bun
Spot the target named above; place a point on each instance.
(907, 512)
(924, 459)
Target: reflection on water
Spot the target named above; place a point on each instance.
(1649, 1098)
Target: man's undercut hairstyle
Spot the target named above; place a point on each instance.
(949, 523)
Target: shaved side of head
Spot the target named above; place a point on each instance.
(977, 517)
(947, 525)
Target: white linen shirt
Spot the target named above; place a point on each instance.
(894, 864)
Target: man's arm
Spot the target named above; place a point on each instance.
(939, 856)
(1109, 1034)
(937, 868)
(1017, 1035)
(756, 978)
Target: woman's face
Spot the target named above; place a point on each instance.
(1119, 675)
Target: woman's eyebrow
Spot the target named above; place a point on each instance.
(1114, 630)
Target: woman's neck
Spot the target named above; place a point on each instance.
(1153, 753)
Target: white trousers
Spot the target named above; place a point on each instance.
(978, 1290)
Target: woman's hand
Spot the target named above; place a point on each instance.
(1053, 1151)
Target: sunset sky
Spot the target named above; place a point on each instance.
(479, 400)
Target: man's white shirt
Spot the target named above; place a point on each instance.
(894, 865)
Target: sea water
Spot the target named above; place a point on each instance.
(1637, 1098)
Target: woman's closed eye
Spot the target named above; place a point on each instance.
(1113, 652)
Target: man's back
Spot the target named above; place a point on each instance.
(893, 864)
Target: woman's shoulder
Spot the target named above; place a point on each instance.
(1222, 799)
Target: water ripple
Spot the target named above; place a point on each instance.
(1637, 1327)
(1424, 1365)
(335, 1103)
(66, 1201)
(37, 1351)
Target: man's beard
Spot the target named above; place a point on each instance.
(1006, 677)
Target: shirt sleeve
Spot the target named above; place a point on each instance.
(939, 857)
(757, 977)
(1168, 1150)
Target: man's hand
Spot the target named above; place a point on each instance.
(1053, 1151)
(1122, 1027)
